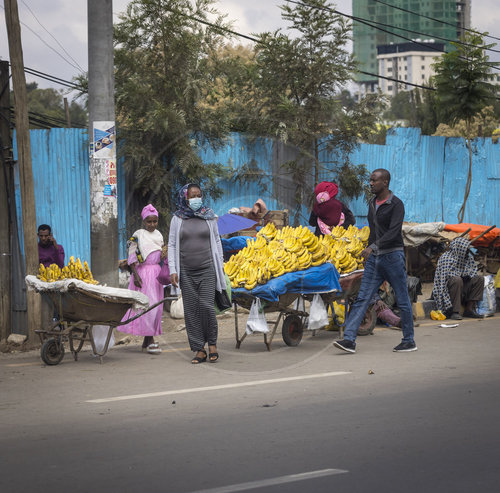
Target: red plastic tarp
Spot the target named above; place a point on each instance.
(476, 230)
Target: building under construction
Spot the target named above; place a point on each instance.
(400, 21)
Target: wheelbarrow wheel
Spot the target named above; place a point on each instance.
(52, 351)
(292, 330)
(368, 323)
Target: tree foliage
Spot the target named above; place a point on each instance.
(296, 95)
(463, 90)
(163, 77)
(482, 125)
(46, 107)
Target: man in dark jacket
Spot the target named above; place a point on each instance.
(385, 261)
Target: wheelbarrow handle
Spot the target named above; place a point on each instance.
(483, 233)
(124, 322)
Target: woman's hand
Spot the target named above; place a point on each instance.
(174, 279)
(164, 253)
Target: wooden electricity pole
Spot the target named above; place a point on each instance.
(24, 160)
(5, 245)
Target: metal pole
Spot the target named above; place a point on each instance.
(102, 139)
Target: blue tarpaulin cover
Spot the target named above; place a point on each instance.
(234, 244)
(320, 279)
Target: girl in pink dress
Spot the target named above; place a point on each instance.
(144, 256)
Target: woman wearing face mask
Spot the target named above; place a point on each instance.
(145, 250)
(196, 266)
(327, 211)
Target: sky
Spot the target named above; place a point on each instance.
(54, 32)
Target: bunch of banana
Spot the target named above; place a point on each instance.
(268, 231)
(74, 270)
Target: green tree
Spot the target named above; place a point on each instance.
(482, 125)
(46, 108)
(298, 97)
(462, 90)
(163, 79)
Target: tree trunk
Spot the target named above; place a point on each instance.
(461, 212)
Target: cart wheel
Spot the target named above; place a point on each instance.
(52, 352)
(292, 330)
(368, 322)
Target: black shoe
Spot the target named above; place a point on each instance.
(472, 314)
(455, 316)
(405, 347)
(346, 345)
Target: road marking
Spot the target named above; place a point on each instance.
(218, 387)
(13, 365)
(292, 478)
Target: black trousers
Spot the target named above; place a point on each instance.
(462, 290)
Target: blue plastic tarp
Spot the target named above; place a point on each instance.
(234, 244)
(320, 279)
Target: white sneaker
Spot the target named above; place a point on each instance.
(154, 348)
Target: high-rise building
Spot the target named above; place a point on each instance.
(424, 20)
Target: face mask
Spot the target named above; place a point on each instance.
(322, 197)
(195, 203)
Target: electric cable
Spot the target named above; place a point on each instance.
(361, 21)
(436, 20)
(45, 43)
(51, 35)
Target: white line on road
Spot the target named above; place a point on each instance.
(292, 478)
(218, 387)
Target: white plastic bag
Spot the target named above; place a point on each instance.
(100, 333)
(256, 321)
(488, 306)
(318, 316)
(177, 308)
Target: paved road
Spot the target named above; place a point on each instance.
(296, 419)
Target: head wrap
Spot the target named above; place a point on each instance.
(185, 212)
(457, 261)
(148, 210)
(329, 209)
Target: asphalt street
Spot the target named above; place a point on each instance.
(307, 418)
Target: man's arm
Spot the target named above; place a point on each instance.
(59, 255)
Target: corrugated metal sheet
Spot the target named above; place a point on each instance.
(61, 179)
(429, 175)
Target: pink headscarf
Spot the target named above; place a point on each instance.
(326, 207)
(149, 210)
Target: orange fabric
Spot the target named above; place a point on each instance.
(476, 230)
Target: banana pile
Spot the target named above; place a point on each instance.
(274, 252)
(74, 270)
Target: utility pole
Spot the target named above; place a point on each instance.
(102, 139)
(5, 249)
(24, 160)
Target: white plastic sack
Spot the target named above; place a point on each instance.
(256, 321)
(318, 316)
(100, 333)
(177, 308)
(488, 305)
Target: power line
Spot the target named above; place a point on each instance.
(362, 21)
(45, 43)
(436, 20)
(51, 35)
(463, 43)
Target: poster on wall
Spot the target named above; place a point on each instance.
(104, 139)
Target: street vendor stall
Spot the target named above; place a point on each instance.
(80, 307)
(280, 269)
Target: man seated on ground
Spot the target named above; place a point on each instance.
(456, 281)
(49, 252)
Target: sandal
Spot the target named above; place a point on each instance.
(198, 359)
(213, 357)
(154, 348)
